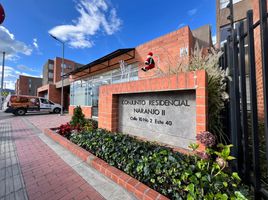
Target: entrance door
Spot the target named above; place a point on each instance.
(95, 95)
(95, 99)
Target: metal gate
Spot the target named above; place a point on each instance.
(250, 147)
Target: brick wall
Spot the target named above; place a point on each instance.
(23, 85)
(54, 94)
(258, 58)
(166, 51)
(87, 111)
(108, 99)
(57, 68)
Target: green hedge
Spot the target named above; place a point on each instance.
(173, 174)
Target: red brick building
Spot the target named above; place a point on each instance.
(27, 85)
(258, 58)
(51, 87)
(240, 13)
(172, 53)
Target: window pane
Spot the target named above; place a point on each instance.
(51, 66)
(224, 3)
(50, 75)
(44, 101)
(224, 33)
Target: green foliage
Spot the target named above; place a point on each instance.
(175, 175)
(78, 118)
(217, 95)
(263, 161)
(262, 150)
(90, 125)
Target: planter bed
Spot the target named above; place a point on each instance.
(146, 168)
(140, 190)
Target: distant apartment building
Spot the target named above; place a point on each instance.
(48, 72)
(27, 85)
(222, 12)
(51, 86)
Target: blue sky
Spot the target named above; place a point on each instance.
(90, 28)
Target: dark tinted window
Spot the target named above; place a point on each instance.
(44, 101)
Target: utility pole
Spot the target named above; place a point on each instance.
(2, 80)
(62, 71)
(230, 17)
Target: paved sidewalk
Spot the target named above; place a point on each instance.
(32, 166)
(48, 121)
(11, 181)
(47, 176)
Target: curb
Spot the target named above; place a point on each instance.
(140, 190)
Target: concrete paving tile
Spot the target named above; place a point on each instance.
(9, 183)
(2, 188)
(21, 195)
(41, 160)
(10, 196)
(2, 173)
(18, 184)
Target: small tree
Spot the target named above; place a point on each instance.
(78, 118)
(217, 95)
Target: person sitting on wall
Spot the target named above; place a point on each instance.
(150, 64)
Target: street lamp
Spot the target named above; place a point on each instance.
(2, 80)
(62, 71)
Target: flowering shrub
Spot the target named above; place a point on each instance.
(206, 138)
(90, 125)
(65, 130)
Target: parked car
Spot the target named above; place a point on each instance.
(20, 105)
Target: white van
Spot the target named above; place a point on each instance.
(20, 105)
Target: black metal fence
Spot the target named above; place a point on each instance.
(248, 134)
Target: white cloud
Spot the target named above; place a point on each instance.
(214, 39)
(95, 16)
(35, 43)
(181, 25)
(11, 46)
(10, 84)
(192, 12)
(25, 68)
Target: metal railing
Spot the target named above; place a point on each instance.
(250, 147)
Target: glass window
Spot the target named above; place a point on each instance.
(224, 3)
(183, 51)
(118, 75)
(50, 75)
(44, 101)
(50, 66)
(78, 93)
(86, 92)
(224, 33)
(134, 72)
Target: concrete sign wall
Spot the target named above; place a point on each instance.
(171, 109)
(167, 117)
